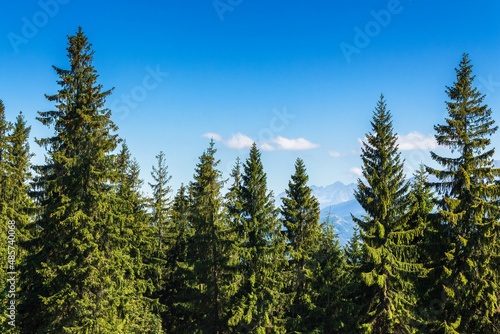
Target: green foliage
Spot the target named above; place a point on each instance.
(330, 313)
(176, 290)
(136, 240)
(15, 205)
(160, 203)
(159, 220)
(258, 304)
(469, 211)
(389, 258)
(209, 247)
(418, 216)
(300, 217)
(81, 277)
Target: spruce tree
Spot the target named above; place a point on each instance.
(387, 301)
(418, 215)
(80, 278)
(234, 198)
(174, 295)
(468, 210)
(258, 304)
(420, 203)
(20, 205)
(159, 204)
(136, 241)
(209, 245)
(353, 250)
(17, 208)
(354, 256)
(300, 217)
(328, 285)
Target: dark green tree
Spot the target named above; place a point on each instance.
(352, 299)
(20, 206)
(159, 204)
(420, 205)
(258, 304)
(328, 285)
(388, 298)
(208, 250)
(80, 279)
(136, 241)
(174, 296)
(418, 217)
(353, 250)
(469, 210)
(300, 217)
(234, 197)
(160, 201)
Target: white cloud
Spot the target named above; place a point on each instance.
(242, 141)
(211, 135)
(417, 141)
(239, 141)
(356, 171)
(293, 144)
(266, 147)
(334, 154)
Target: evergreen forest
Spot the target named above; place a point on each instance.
(84, 250)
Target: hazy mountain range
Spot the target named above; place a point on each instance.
(337, 201)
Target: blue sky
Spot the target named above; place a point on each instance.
(299, 78)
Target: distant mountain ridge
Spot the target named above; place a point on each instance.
(338, 203)
(339, 216)
(332, 194)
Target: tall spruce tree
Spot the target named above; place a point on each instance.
(209, 246)
(387, 303)
(258, 305)
(300, 217)
(159, 203)
(79, 280)
(469, 210)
